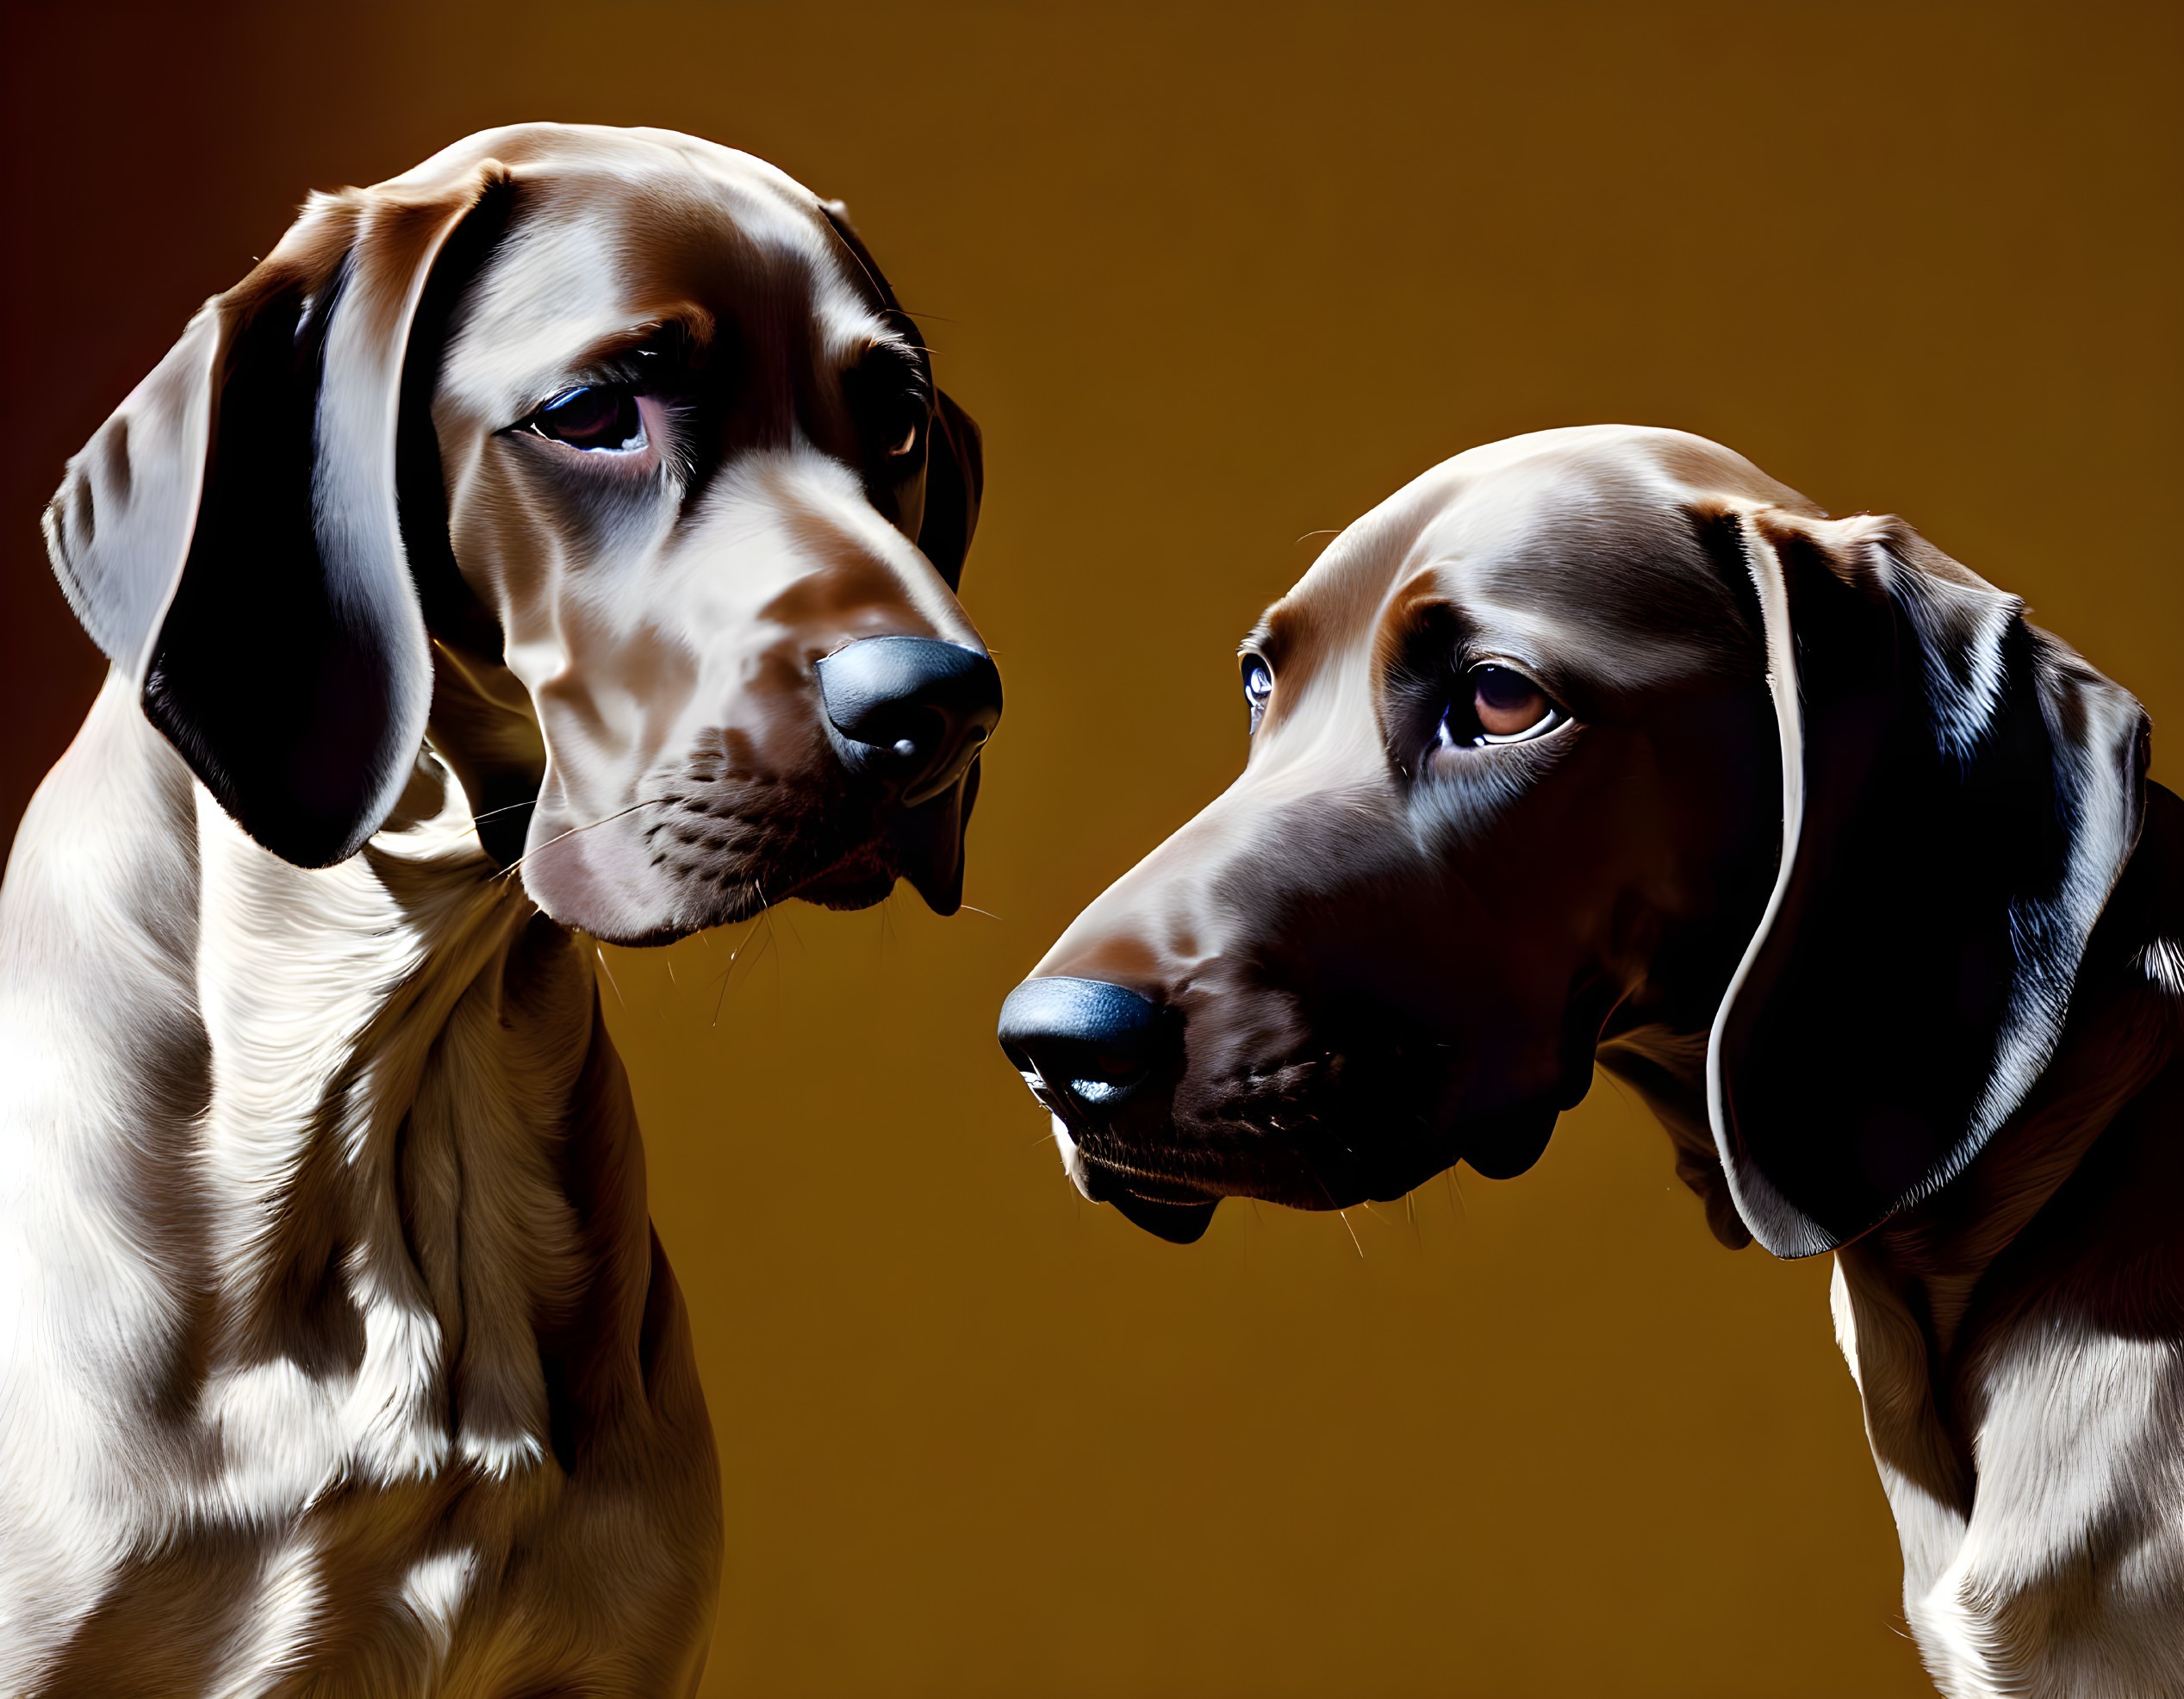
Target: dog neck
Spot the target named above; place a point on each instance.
(366, 1147)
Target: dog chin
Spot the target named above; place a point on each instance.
(1503, 1146)
(1176, 1212)
(1498, 1145)
(1144, 1190)
(859, 880)
(588, 885)
(607, 888)
(610, 891)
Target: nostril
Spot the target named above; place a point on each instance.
(1093, 1042)
(915, 732)
(913, 710)
(1110, 1075)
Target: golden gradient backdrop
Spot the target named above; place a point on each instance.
(1213, 280)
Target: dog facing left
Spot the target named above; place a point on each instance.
(560, 539)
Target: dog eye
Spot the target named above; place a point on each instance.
(892, 405)
(593, 417)
(1504, 706)
(1258, 687)
(906, 432)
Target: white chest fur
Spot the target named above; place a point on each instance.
(315, 1182)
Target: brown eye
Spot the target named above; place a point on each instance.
(1506, 702)
(1497, 705)
(889, 396)
(594, 417)
(899, 428)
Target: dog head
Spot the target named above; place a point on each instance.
(608, 459)
(1600, 743)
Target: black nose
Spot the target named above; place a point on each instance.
(913, 709)
(1091, 1042)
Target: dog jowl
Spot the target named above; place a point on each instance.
(1600, 747)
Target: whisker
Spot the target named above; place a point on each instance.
(642, 802)
(766, 914)
(609, 972)
(505, 808)
(720, 1001)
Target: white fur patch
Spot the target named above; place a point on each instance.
(434, 1590)
(2162, 963)
(1072, 1163)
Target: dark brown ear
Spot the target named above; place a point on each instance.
(955, 458)
(955, 479)
(230, 535)
(1960, 793)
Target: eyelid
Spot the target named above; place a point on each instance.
(896, 361)
(1511, 663)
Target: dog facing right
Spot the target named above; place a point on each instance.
(1600, 746)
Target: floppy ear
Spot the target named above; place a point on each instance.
(955, 453)
(1961, 792)
(230, 535)
(955, 479)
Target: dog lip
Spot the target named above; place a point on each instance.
(1111, 1177)
(1177, 1223)
(1310, 1175)
(1176, 1211)
(867, 867)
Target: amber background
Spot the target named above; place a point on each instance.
(1214, 280)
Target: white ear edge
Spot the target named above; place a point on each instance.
(1775, 1222)
(2051, 938)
